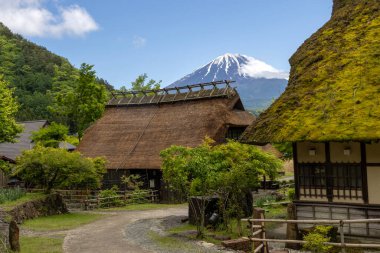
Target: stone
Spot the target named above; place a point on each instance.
(14, 236)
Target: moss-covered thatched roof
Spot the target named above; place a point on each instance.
(334, 86)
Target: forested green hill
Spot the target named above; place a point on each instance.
(32, 70)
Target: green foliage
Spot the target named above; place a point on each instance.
(229, 170)
(5, 167)
(333, 90)
(8, 108)
(30, 69)
(261, 202)
(72, 139)
(10, 194)
(57, 168)
(51, 135)
(111, 197)
(132, 181)
(286, 148)
(80, 103)
(142, 84)
(35, 73)
(291, 194)
(315, 240)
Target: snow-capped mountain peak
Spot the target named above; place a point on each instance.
(243, 66)
(257, 82)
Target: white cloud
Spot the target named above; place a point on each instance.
(259, 69)
(138, 41)
(32, 18)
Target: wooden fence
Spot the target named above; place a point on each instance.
(87, 199)
(258, 235)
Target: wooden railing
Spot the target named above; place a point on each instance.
(258, 233)
(88, 199)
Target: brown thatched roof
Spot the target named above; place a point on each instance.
(131, 137)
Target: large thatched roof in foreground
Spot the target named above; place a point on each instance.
(132, 136)
(334, 86)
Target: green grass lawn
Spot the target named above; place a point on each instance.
(28, 197)
(44, 244)
(60, 221)
(140, 207)
(35, 244)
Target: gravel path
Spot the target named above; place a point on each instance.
(151, 234)
(110, 235)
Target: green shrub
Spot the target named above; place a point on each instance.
(291, 194)
(260, 202)
(315, 240)
(11, 194)
(139, 196)
(111, 197)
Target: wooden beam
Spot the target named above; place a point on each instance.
(363, 166)
(328, 172)
(296, 171)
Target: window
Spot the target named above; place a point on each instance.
(346, 176)
(312, 176)
(336, 180)
(234, 133)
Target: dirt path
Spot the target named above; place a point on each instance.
(108, 235)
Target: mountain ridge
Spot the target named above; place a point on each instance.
(257, 82)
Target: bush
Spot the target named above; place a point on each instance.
(260, 202)
(291, 194)
(111, 196)
(11, 194)
(57, 168)
(139, 196)
(315, 240)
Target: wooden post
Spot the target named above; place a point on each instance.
(291, 228)
(341, 230)
(259, 213)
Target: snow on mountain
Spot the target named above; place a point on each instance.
(257, 82)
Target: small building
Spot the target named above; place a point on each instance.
(137, 126)
(10, 151)
(330, 112)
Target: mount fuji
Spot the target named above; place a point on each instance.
(257, 82)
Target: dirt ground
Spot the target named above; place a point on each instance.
(109, 234)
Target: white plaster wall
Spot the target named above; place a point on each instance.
(303, 152)
(337, 152)
(373, 177)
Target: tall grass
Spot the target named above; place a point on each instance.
(11, 194)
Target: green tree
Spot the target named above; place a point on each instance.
(8, 109)
(51, 135)
(57, 168)
(142, 84)
(229, 170)
(285, 148)
(81, 104)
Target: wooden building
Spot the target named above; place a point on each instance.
(330, 111)
(136, 126)
(10, 151)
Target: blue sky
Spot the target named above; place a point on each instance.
(166, 39)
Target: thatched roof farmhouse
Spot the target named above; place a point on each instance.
(136, 126)
(331, 112)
